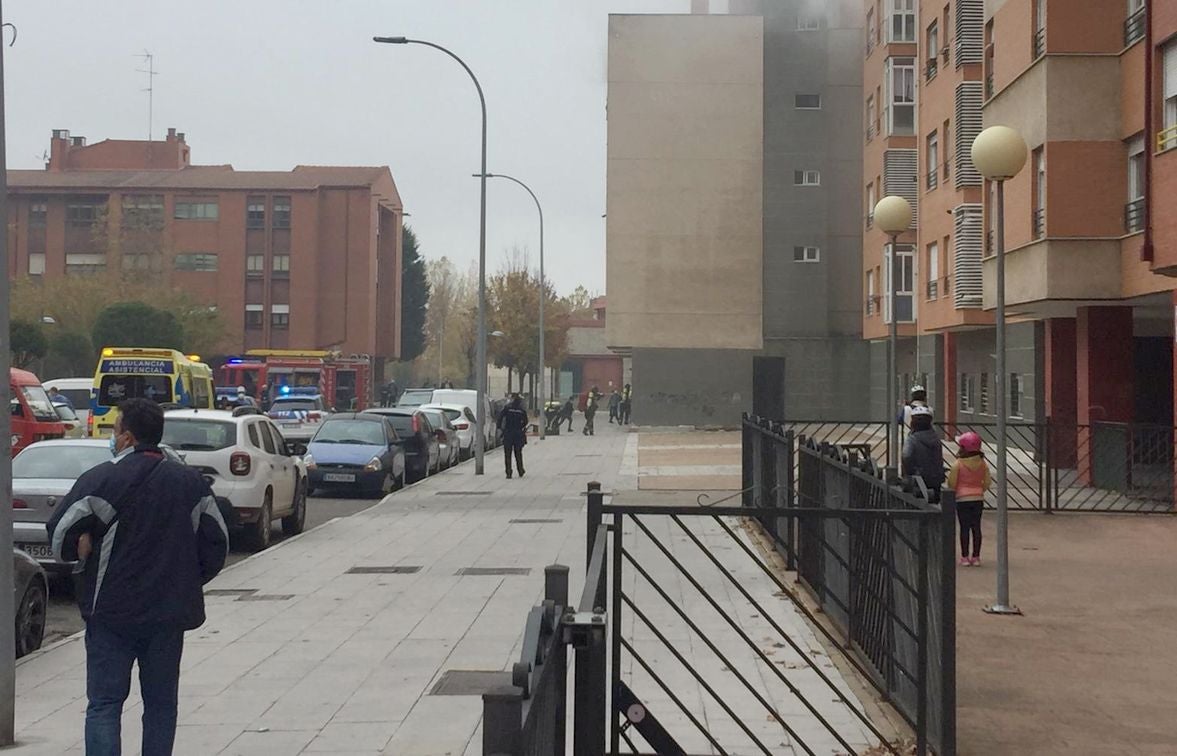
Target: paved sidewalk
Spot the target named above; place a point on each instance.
(301, 656)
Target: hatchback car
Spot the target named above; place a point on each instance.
(447, 437)
(422, 447)
(463, 421)
(247, 462)
(358, 452)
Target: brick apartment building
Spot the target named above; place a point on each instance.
(1091, 239)
(308, 258)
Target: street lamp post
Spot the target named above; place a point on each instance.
(7, 600)
(480, 356)
(543, 292)
(999, 153)
(893, 216)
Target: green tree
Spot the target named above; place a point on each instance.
(513, 297)
(136, 324)
(27, 342)
(414, 297)
(70, 355)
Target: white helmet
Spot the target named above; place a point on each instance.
(240, 389)
(921, 410)
(918, 388)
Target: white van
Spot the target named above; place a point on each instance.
(77, 390)
(416, 397)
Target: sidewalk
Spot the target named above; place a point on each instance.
(299, 655)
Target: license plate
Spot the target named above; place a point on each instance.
(36, 550)
(339, 477)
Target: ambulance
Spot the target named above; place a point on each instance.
(166, 376)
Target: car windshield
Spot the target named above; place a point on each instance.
(290, 405)
(39, 403)
(350, 432)
(192, 434)
(65, 413)
(115, 388)
(62, 461)
(402, 423)
(415, 397)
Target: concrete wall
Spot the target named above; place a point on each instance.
(684, 187)
(974, 356)
(691, 386)
(825, 379)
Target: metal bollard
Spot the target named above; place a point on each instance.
(596, 500)
(556, 584)
(502, 721)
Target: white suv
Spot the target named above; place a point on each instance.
(247, 462)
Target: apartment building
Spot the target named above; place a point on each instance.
(1092, 87)
(308, 258)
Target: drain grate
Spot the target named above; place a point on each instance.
(532, 521)
(462, 493)
(400, 569)
(266, 597)
(484, 571)
(469, 682)
(230, 591)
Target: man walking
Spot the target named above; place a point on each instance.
(590, 411)
(513, 424)
(566, 412)
(146, 534)
(626, 404)
(614, 407)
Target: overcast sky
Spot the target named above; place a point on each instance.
(269, 84)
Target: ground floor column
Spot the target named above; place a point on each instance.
(1105, 358)
(1060, 384)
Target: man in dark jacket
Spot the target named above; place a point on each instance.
(147, 535)
(922, 453)
(513, 424)
(566, 412)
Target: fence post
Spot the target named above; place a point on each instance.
(746, 462)
(596, 500)
(948, 623)
(921, 665)
(588, 719)
(556, 584)
(502, 712)
(1047, 474)
(790, 500)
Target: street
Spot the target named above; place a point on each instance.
(63, 619)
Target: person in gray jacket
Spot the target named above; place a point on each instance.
(922, 453)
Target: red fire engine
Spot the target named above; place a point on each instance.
(345, 383)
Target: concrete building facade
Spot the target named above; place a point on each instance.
(307, 259)
(732, 254)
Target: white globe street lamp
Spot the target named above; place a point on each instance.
(999, 153)
(893, 216)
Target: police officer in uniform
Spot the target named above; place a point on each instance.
(513, 424)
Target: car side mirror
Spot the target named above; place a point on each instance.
(295, 449)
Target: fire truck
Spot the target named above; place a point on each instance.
(345, 383)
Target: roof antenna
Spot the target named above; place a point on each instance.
(149, 69)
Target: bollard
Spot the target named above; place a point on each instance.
(556, 584)
(502, 718)
(596, 500)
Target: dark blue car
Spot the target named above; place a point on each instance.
(356, 452)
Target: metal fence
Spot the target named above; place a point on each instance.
(881, 565)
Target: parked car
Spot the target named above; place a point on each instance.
(42, 475)
(459, 397)
(31, 599)
(74, 427)
(298, 415)
(415, 397)
(356, 451)
(77, 390)
(422, 447)
(447, 437)
(463, 422)
(248, 463)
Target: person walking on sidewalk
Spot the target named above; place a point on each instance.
(147, 535)
(922, 453)
(969, 478)
(626, 404)
(566, 412)
(615, 407)
(513, 424)
(590, 411)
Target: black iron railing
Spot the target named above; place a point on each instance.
(1134, 27)
(1039, 222)
(933, 288)
(988, 85)
(934, 177)
(1040, 42)
(931, 68)
(1134, 216)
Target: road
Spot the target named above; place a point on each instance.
(63, 619)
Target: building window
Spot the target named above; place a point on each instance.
(196, 209)
(984, 405)
(1039, 28)
(870, 292)
(900, 98)
(37, 265)
(933, 268)
(805, 254)
(872, 30)
(281, 212)
(255, 213)
(198, 261)
(280, 266)
(37, 214)
(904, 268)
(871, 201)
(255, 265)
(1134, 209)
(143, 211)
(871, 118)
(1134, 23)
(136, 261)
(253, 316)
(933, 160)
(806, 178)
(280, 317)
(932, 35)
(1168, 138)
(901, 24)
(83, 212)
(807, 22)
(1038, 161)
(1015, 395)
(947, 146)
(84, 265)
(967, 392)
(807, 101)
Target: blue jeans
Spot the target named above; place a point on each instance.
(110, 652)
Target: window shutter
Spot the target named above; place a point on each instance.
(1171, 70)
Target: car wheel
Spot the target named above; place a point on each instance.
(296, 521)
(30, 619)
(259, 531)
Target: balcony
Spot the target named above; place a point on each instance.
(933, 289)
(871, 131)
(930, 70)
(870, 221)
(1134, 27)
(933, 178)
(988, 85)
(1167, 138)
(1039, 220)
(1134, 216)
(1039, 43)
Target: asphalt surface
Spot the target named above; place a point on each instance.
(63, 618)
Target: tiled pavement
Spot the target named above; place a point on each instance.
(312, 659)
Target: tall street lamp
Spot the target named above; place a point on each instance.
(543, 292)
(893, 216)
(999, 153)
(480, 356)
